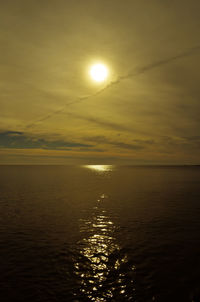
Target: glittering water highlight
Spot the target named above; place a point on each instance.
(102, 266)
(99, 233)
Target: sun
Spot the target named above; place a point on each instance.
(99, 72)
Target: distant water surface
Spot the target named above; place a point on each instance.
(99, 233)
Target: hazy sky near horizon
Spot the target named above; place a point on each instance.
(147, 112)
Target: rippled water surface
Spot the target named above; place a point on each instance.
(99, 233)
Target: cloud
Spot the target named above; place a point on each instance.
(144, 141)
(104, 140)
(192, 141)
(103, 123)
(159, 63)
(127, 146)
(19, 140)
(132, 73)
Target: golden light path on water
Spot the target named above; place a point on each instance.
(100, 168)
(101, 267)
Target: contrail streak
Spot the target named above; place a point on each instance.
(132, 73)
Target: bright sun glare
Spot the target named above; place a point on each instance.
(99, 72)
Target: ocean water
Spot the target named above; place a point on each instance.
(99, 233)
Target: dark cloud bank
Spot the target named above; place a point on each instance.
(19, 140)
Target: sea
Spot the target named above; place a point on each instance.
(99, 233)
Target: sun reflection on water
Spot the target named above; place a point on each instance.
(101, 267)
(100, 168)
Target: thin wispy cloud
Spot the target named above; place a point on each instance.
(136, 145)
(148, 108)
(131, 74)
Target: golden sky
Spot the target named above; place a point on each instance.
(147, 112)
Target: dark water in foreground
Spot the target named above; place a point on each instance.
(99, 233)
